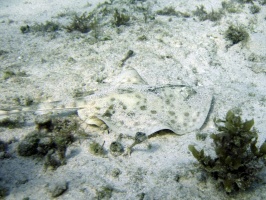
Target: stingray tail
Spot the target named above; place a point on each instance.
(51, 108)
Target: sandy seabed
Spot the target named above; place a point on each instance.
(46, 66)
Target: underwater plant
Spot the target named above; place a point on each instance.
(254, 9)
(97, 149)
(120, 19)
(231, 7)
(11, 123)
(104, 192)
(8, 74)
(262, 2)
(214, 15)
(236, 34)
(169, 11)
(48, 26)
(50, 140)
(80, 23)
(245, 1)
(203, 15)
(238, 160)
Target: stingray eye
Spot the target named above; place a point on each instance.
(116, 148)
(140, 137)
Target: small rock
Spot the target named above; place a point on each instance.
(44, 145)
(3, 146)
(58, 188)
(3, 191)
(28, 146)
(54, 159)
(44, 122)
(105, 193)
(116, 172)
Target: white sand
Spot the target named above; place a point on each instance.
(178, 50)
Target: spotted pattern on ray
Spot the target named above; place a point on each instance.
(138, 107)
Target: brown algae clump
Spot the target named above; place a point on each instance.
(50, 140)
(238, 160)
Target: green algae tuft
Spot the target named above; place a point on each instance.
(238, 159)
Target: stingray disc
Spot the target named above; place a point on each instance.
(177, 108)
